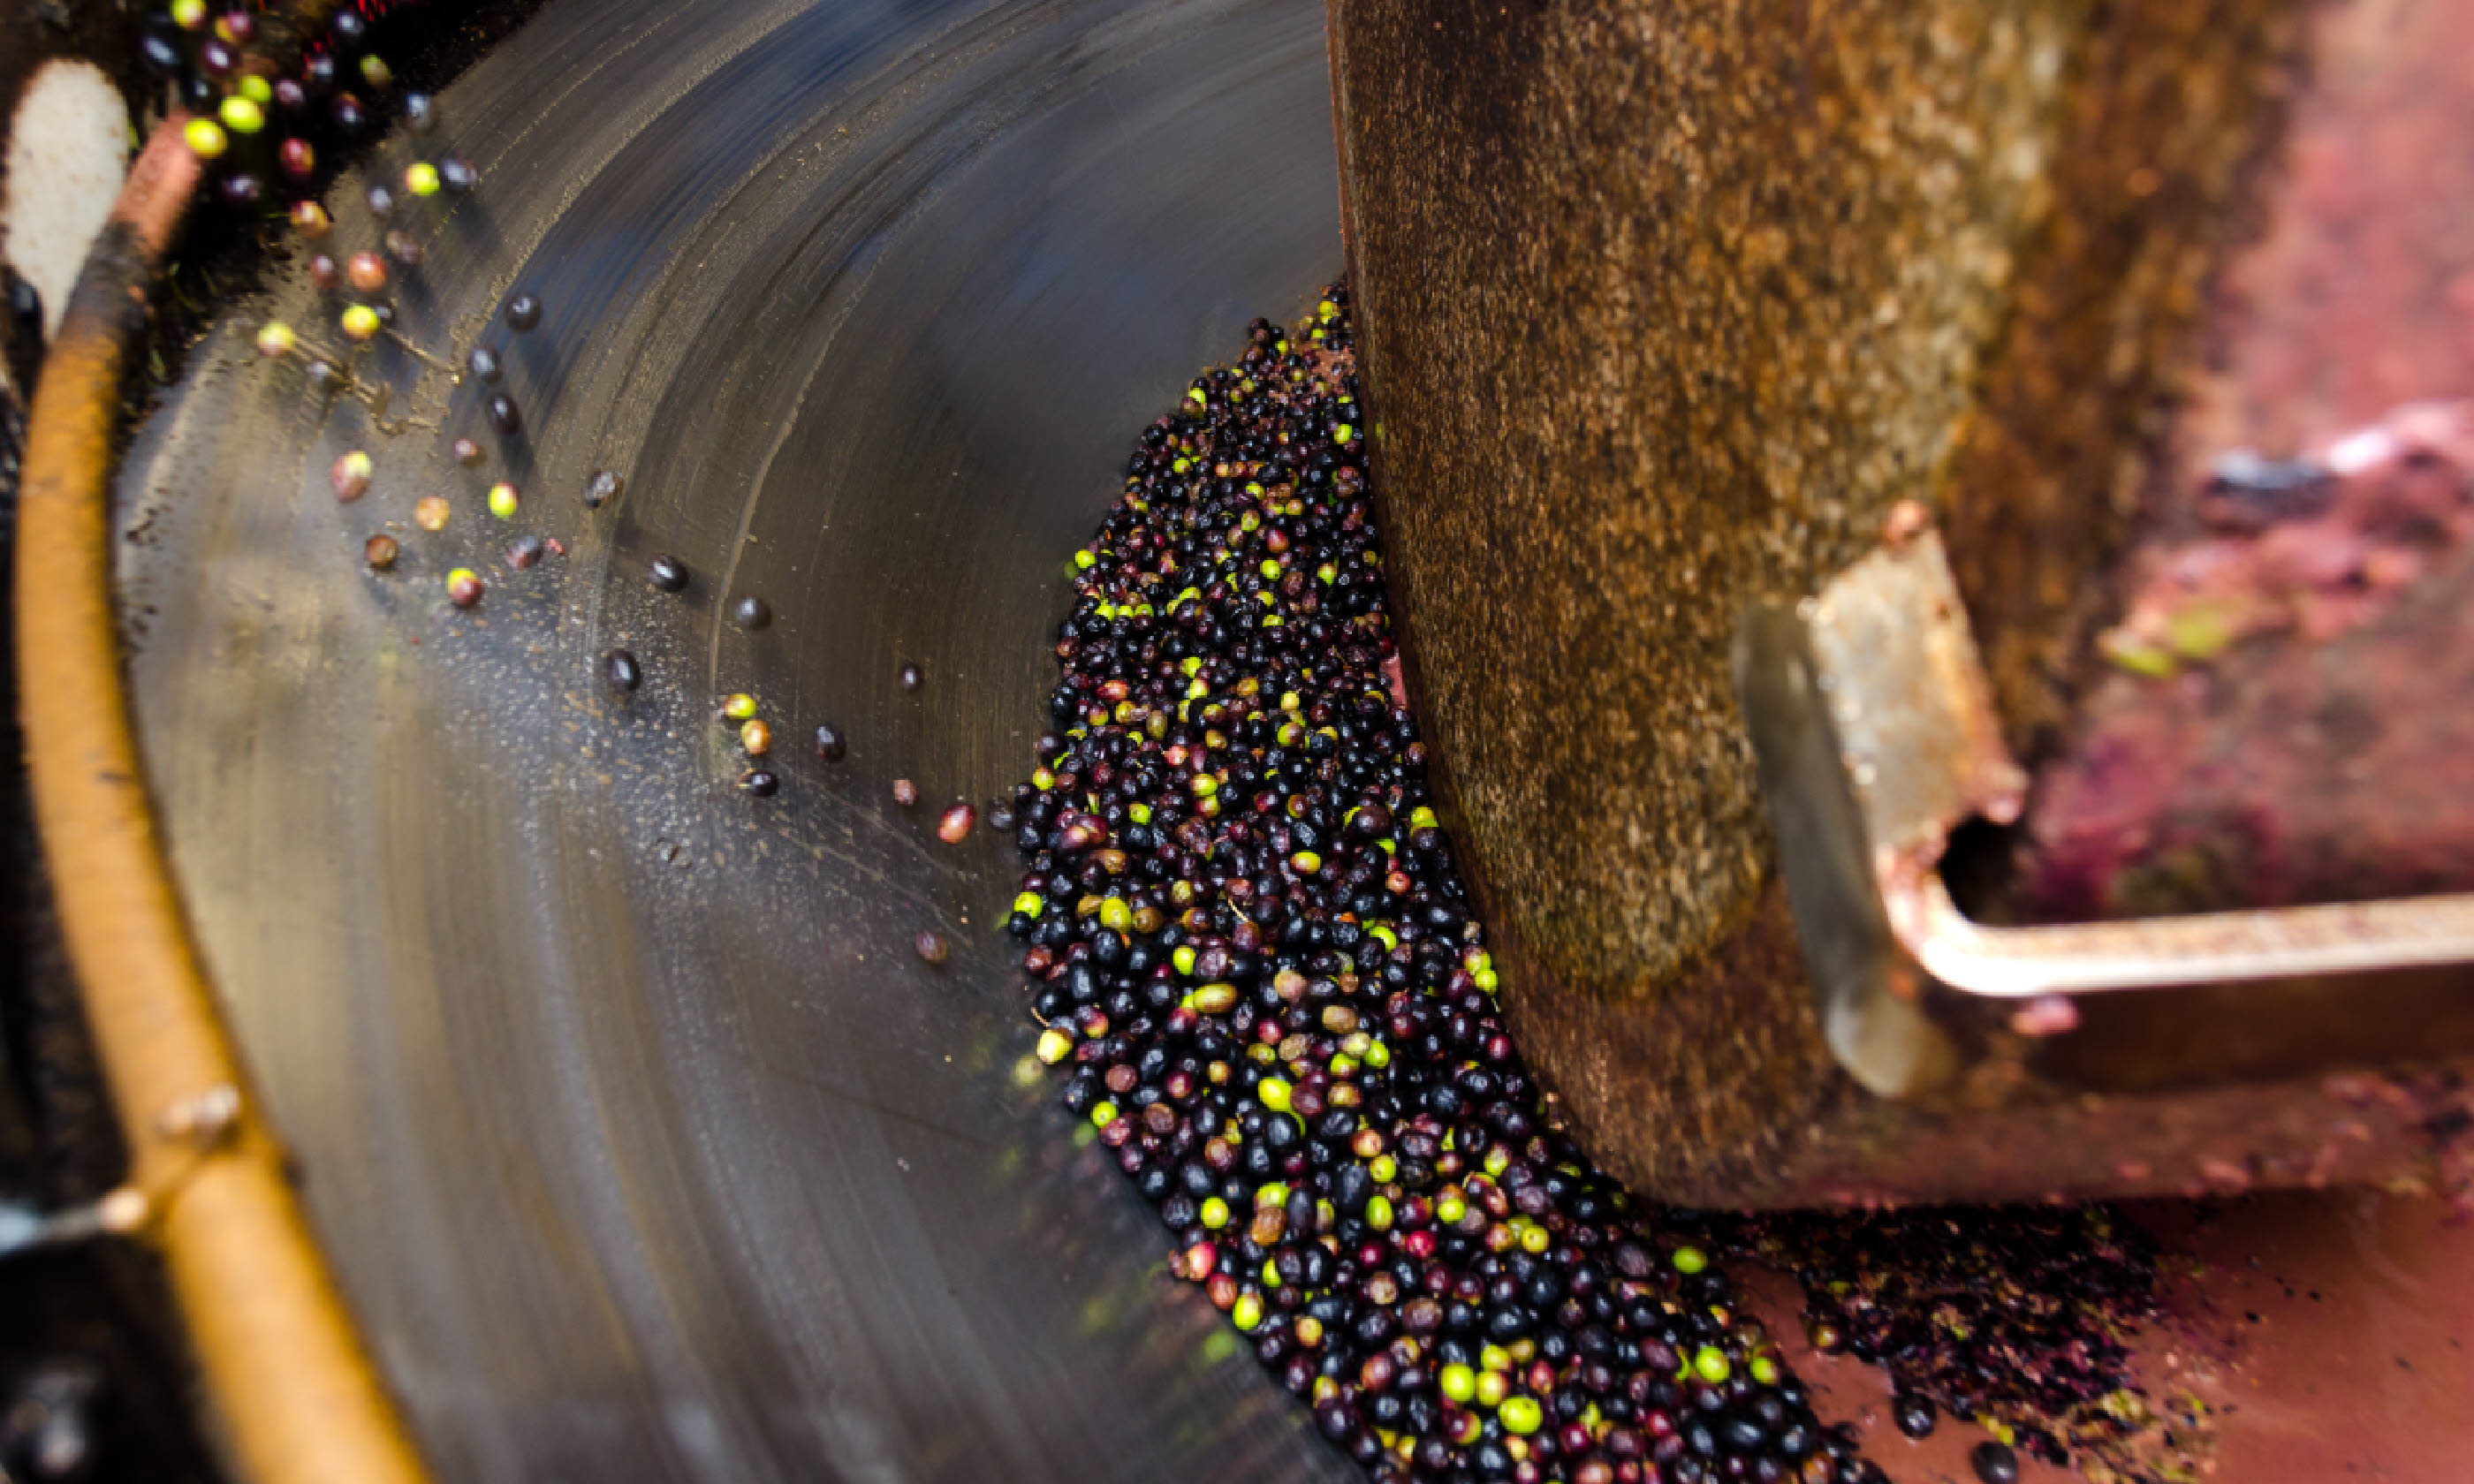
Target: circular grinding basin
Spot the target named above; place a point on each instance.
(645, 1143)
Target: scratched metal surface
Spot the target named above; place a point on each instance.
(645, 1145)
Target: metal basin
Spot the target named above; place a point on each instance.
(645, 1145)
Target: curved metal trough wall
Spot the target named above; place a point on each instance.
(1666, 308)
(642, 1141)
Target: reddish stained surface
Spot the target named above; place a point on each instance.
(1398, 684)
(2327, 1332)
(2360, 296)
(2314, 739)
(2357, 1366)
(2291, 721)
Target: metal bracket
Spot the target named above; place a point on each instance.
(1875, 734)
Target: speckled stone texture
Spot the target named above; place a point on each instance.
(1663, 306)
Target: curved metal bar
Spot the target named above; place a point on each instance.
(2212, 948)
(1872, 721)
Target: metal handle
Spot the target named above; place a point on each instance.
(1872, 726)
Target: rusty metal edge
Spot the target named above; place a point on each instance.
(291, 1391)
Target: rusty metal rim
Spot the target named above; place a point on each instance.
(292, 1392)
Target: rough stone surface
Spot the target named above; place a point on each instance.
(1663, 305)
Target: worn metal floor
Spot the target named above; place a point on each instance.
(645, 1145)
